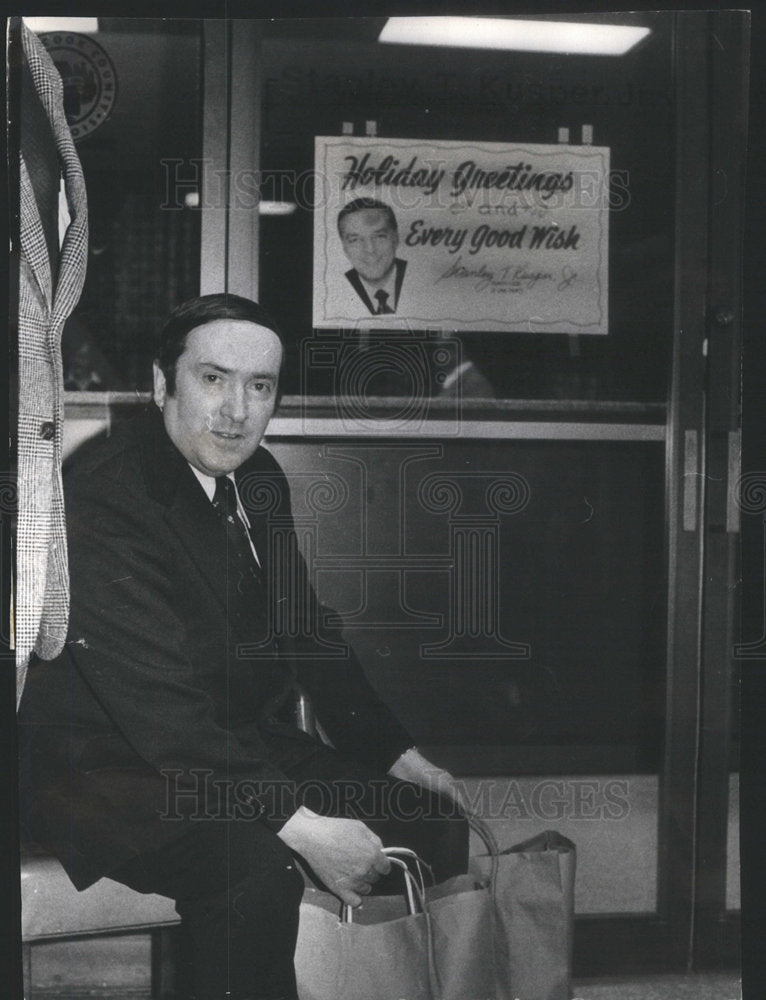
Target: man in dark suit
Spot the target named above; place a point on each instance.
(159, 747)
(370, 236)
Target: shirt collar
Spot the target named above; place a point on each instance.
(208, 485)
(207, 482)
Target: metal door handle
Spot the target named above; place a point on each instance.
(691, 480)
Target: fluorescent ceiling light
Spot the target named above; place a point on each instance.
(276, 207)
(192, 200)
(519, 35)
(82, 25)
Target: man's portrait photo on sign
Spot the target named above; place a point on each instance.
(370, 237)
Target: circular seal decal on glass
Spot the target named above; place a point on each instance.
(90, 83)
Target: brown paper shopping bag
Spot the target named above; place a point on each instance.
(460, 914)
(533, 894)
(432, 943)
(382, 951)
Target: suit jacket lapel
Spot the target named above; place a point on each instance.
(32, 238)
(190, 515)
(195, 522)
(361, 291)
(200, 530)
(401, 267)
(74, 250)
(261, 492)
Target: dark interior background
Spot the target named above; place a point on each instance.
(144, 252)
(579, 578)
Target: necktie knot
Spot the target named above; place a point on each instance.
(383, 306)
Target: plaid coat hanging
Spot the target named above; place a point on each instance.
(41, 603)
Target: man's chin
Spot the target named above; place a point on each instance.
(227, 456)
(377, 277)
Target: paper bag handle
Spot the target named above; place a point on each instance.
(487, 836)
(415, 893)
(420, 864)
(493, 848)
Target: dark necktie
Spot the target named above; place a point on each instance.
(240, 549)
(383, 306)
(248, 580)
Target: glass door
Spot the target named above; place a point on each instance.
(593, 693)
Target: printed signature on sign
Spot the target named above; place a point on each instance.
(509, 278)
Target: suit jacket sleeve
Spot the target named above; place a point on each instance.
(133, 650)
(349, 710)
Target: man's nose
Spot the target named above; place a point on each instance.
(234, 405)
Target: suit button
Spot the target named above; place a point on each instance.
(47, 430)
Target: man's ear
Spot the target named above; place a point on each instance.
(160, 388)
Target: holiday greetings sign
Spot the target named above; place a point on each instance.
(462, 236)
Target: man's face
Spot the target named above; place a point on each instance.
(370, 243)
(226, 384)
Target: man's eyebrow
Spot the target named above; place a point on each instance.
(383, 226)
(228, 371)
(213, 365)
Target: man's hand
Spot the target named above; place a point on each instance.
(344, 853)
(413, 766)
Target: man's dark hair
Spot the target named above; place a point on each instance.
(197, 312)
(361, 203)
